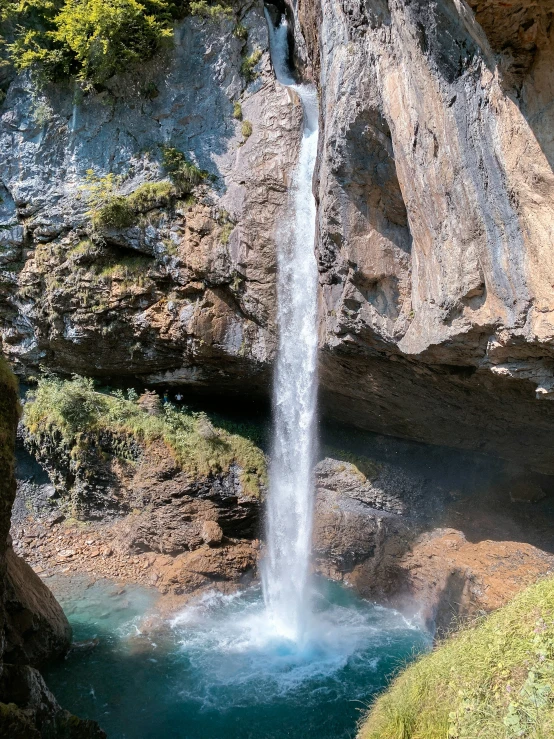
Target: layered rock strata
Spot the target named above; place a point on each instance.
(436, 194)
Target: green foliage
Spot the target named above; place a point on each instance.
(7, 377)
(237, 111)
(151, 195)
(241, 32)
(110, 209)
(183, 173)
(246, 129)
(68, 409)
(83, 248)
(92, 39)
(247, 68)
(128, 269)
(226, 232)
(115, 213)
(205, 10)
(492, 680)
(98, 189)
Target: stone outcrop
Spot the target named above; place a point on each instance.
(147, 520)
(434, 532)
(33, 627)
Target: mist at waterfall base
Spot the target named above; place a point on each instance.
(216, 670)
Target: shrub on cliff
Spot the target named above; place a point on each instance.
(493, 680)
(110, 209)
(92, 39)
(68, 410)
(183, 173)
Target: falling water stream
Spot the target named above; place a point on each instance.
(298, 660)
(285, 569)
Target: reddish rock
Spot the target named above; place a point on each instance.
(212, 533)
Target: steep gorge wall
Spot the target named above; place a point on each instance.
(436, 197)
(33, 627)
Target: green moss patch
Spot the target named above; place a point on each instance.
(246, 129)
(111, 209)
(68, 409)
(248, 66)
(491, 680)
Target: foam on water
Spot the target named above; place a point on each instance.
(233, 645)
(217, 669)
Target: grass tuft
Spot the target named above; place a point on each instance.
(246, 129)
(247, 68)
(67, 409)
(183, 173)
(237, 111)
(492, 680)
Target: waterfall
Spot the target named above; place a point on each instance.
(289, 513)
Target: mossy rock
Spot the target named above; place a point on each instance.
(16, 724)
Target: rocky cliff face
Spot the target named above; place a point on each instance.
(435, 193)
(185, 294)
(33, 627)
(442, 533)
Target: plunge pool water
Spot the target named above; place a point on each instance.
(214, 671)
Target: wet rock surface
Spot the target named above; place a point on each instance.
(30, 710)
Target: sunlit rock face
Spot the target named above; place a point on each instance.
(186, 294)
(436, 196)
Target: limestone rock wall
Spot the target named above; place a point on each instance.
(187, 294)
(436, 196)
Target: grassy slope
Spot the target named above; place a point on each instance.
(494, 680)
(72, 407)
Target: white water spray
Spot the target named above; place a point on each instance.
(286, 567)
